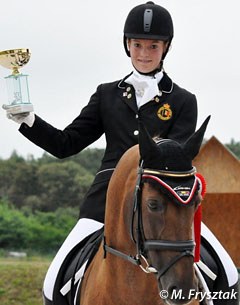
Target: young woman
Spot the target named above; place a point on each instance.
(166, 110)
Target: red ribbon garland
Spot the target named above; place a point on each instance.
(197, 232)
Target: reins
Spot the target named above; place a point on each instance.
(185, 247)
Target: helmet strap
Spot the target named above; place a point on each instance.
(167, 49)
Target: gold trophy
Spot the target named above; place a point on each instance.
(17, 83)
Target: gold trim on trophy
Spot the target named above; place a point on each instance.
(14, 59)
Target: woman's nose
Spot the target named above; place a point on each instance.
(144, 51)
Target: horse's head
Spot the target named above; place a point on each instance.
(166, 198)
(160, 213)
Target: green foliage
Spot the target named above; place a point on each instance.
(234, 147)
(40, 198)
(62, 184)
(89, 158)
(43, 232)
(47, 183)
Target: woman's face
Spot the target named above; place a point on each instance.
(146, 54)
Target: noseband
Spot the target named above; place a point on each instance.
(185, 247)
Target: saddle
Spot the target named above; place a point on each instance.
(66, 290)
(220, 283)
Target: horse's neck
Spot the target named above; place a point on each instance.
(119, 202)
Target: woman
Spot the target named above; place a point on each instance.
(114, 109)
(165, 109)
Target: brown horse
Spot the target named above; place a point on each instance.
(146, 257)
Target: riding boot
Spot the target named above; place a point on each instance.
(46, 301)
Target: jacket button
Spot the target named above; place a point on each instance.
(136, 116)
(136, 132)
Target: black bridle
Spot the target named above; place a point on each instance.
(185, 247)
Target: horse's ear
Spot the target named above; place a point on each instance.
(146, 143)
(193, 144)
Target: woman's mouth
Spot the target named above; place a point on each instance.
(144, 61)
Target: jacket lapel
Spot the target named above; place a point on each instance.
(127, 94)
(166, 84)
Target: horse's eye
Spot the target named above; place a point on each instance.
(154, 205)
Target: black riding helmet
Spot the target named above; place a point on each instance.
(148, 21)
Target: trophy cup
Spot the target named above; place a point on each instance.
(17, 83)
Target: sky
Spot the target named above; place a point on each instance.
(76, 45)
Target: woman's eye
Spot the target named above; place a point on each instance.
(136, 45)
(154, 46)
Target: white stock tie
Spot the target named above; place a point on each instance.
(146, 87)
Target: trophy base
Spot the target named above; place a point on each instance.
(20, 108)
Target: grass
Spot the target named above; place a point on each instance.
(21, 281)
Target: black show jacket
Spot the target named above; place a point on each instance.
(112, 110)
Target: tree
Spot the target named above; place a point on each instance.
(24, 183)
(62, 184)
(41, 232)
(234, 147)
(89, 158)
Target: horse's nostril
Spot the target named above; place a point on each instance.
(173, 288)
(173, 292)
(177, 295)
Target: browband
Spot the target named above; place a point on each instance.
(164, 173)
